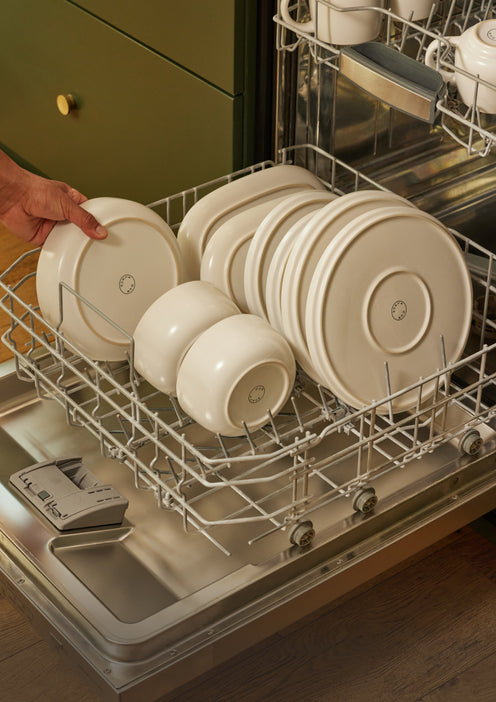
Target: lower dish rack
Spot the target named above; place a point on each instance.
(317, 452)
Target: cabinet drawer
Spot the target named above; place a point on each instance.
(144, 127)
(204, 37)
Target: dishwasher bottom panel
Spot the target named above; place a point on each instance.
(144, 607)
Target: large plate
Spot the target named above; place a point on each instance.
(391, 288)
(121, 275)
(308, 249)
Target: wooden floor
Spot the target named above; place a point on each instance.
(10, 249)
(425, 632)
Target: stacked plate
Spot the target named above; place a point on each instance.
(371, 293)
(389, 302)
(374, 295)
(235, 199)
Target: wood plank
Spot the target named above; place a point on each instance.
(30, 668)
(401, 639)
(15, 632)
(38, 674)
(476, 684)
(11, 248)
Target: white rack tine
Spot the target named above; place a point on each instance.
(253, 448)
(297, 414)
(222, 445)
(177, 410)
(487, 10)
(434, 408)
(388, 391)
(274, 428)
(323, 400)
(482, 373)
(360, 446)
(370, 444)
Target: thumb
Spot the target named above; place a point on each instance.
(84, 220)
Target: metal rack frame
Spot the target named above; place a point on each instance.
(315, 451)
(464, 125)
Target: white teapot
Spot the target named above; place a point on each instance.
(475, 54)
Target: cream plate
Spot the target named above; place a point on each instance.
(223, 262)
(267, 238)
(275, 277)
(120, 275)
(388, 288)
(308, 249)
(215, 208)
(276, 270)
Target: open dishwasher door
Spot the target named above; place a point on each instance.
(144, 606)
(226, 540)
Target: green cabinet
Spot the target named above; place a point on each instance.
(207, 38)
(143, 126)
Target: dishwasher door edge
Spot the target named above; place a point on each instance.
(456, 504)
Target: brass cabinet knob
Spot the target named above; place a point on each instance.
(65, 104)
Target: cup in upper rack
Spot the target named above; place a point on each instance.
(341, 24)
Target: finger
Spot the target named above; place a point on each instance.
(74, 194)
(84, 220)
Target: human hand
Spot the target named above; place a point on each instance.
(30, 205)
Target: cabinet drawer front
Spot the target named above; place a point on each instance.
(204, 37)
(144, 128)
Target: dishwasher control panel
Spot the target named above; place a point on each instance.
(69, 495)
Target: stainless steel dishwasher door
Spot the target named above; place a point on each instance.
(143, 606)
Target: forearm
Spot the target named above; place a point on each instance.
(13, 183)
(31, 205)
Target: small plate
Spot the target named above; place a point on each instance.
(223, 262)
(215, 208)
(389, 288)
(309, 247)
(120, 275)
(267, 238)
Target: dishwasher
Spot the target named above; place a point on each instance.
(148, 549)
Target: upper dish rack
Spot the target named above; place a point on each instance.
(317, 453)
(467, 126)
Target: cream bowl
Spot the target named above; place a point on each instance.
(94, 292)
(171, 324)
(234, 373)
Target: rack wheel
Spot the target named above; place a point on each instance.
(302, 534)
(470, 442)
(365, 500)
